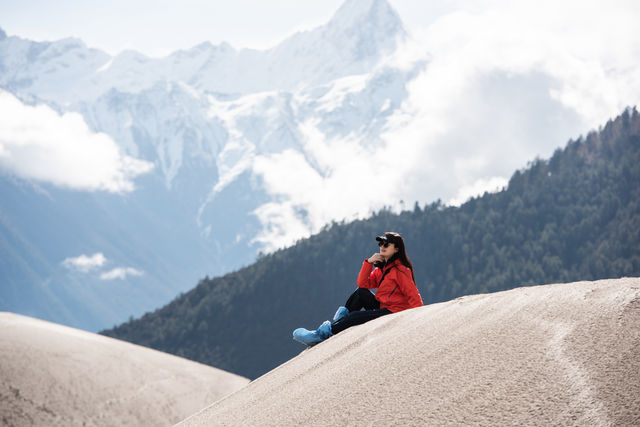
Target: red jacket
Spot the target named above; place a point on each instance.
(397, 291)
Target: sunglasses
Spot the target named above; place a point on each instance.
(385, 244)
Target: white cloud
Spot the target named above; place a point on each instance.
(37, 143)
(511, 81)
(84, 263)
(478, 188)
(588, 46)
(505, 82)
(120, 273)
(331, 180)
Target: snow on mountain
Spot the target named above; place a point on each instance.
(67, 72)
(226, 130)
(53, 71)
(165, 123)
(73, 77)
(156, 108)
(316, 126)
(352, 42)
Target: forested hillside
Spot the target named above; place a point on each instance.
(573, 217)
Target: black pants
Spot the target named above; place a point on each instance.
(361, 298)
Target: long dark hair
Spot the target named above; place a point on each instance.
(396, 239)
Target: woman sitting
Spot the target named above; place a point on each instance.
(390, 272)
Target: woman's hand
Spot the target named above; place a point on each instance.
(375, 258)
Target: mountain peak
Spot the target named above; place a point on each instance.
(3, 35)
(359, 34)
(354, 8)
(376, 14)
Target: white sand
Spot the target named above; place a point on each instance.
(55, 375)
(566, 354)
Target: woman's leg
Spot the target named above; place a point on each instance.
(362, 298)
(357, 318)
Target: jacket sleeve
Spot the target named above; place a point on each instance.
(367, 279)
(409, 288)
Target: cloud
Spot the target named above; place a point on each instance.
(84, 263)
(331, 180)
(120, 273)
(87, 264)
(505, 82)
(588, 47)
(478, 188)
(37, 143)
(511, 81)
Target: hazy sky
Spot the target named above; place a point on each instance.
(158, 27)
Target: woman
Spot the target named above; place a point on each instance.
(396, 286)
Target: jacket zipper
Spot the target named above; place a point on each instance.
(394, 289)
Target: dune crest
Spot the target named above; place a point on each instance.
(55, 375)
(542, 355)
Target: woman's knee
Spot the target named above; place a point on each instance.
(364, 292)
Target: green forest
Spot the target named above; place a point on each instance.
(573, 217)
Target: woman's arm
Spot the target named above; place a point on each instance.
(367, 279)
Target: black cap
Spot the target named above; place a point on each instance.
(387, 238)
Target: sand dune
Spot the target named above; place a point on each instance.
(55, 375)
(565, 354)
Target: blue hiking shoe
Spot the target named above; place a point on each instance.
(306, 337)
(311, 338)
(342, 311)
(324, 330)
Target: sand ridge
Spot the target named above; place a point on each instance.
(55, 375)
(544, 355)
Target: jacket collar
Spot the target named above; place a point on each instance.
(390, 262)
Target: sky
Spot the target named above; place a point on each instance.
(507, 82)
(157, 28)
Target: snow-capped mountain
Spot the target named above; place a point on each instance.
(68, 72)
(216, 123)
